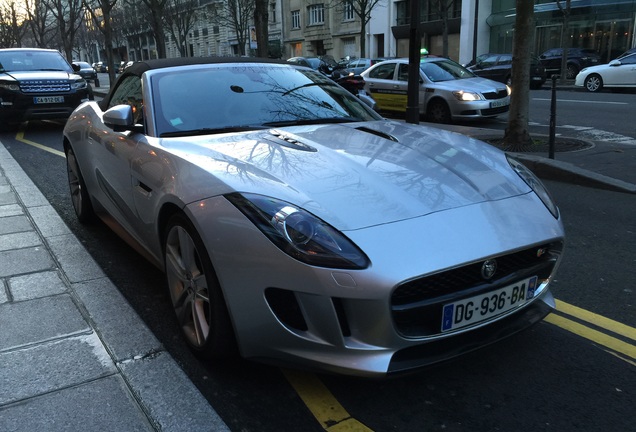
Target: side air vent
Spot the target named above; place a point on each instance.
(286, 308)
(291, 142)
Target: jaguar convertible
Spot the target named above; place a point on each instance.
(298, 227)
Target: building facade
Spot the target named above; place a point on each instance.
(471, 27)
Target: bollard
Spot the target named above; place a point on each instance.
(551, 143)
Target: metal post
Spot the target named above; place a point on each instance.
(552, 118)
(413, 89)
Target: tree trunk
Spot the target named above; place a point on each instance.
(517, 137)
(363, 38)
(261, 20)
(565, 40)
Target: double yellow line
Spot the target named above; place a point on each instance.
(572, 318)
(334, 417)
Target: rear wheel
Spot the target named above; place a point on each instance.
(195, 292)
(438, 112)
(79, 195)
(572, 71)
(593, 83)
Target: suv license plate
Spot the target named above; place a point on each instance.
(48, 99)
(481, 307)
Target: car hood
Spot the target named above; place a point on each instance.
(39, 75)
(477, 84)
(352, 175)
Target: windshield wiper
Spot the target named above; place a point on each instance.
(310, 85)
(210, 131)
(303, 122)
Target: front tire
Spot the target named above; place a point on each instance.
(593, 83)
(79, 195)
(195, 292)
(438, 112)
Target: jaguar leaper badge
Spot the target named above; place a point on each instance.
(489, 268)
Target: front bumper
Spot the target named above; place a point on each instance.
(341, 321)
(16, 107)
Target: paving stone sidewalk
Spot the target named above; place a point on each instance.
(73, 354)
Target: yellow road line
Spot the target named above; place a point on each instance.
(322, 404)
(598, 320)
(596, 336)
(20, 137)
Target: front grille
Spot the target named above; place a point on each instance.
(495, 111)
(416, 305)
(45, 86)
(496, 95)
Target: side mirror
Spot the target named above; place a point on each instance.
(615, 63)
(75, 67)
(120, 119)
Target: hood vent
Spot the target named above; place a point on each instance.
(290, 142)
(378, 133)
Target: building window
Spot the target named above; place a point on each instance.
(272, 12)
(295, 19)
(316, 14)
(348, 12)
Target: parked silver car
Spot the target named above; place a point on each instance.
(448, 91)
(295, 224)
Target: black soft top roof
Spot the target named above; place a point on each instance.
(138, 68)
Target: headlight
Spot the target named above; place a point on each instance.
(508, 89)
(466, 96)
(11, 86)
(78, 84)
(535, 184)
(298, 233)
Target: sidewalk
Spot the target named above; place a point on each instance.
(74, 356)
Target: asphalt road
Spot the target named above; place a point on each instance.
(560, 375)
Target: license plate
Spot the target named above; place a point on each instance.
(48, 99)
(481, 307)
(500, 103)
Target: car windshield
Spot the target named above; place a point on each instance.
(11, 61)
(445, 70)
(218, 98)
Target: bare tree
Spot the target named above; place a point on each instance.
(157, 10)
(69, 17)
(443, 6)
(235, 15)
(362, 9)
(39, 22)
(12, 26)
(517, 137)
(136, 21)
(100, 12)
(179, 18)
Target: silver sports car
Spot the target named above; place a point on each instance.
(297, 226)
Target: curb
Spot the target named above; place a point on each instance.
(84, 359)
(550, 169)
